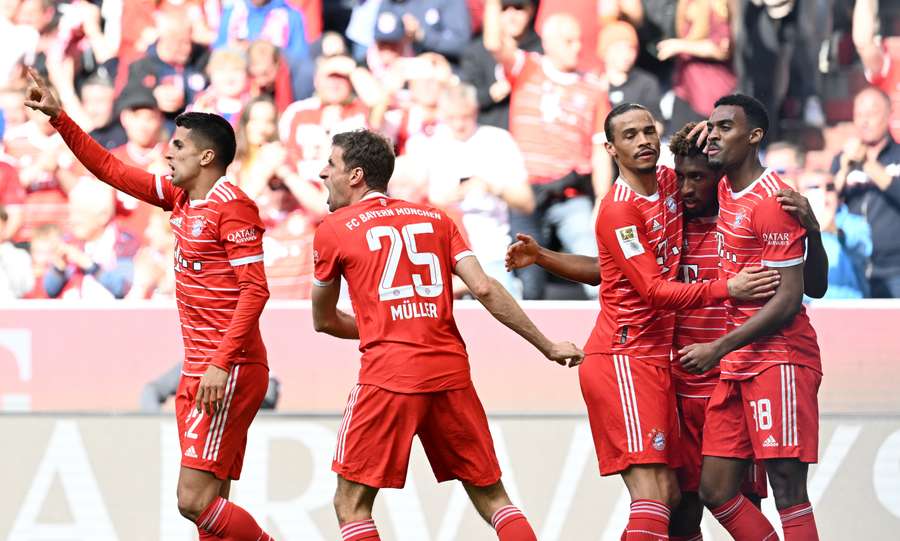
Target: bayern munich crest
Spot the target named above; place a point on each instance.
(197, 226)
(657, 439)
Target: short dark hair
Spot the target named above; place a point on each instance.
(210, 131)
(683, 145)
(754, 110)
(370, 151)
(619, 110)
(3, 214)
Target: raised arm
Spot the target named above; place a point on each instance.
(506, 310)
(99, 161)
(503, 47)
(865, 29)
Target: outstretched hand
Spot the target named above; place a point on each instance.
(39, 96)
(565, 352)
(522, 253)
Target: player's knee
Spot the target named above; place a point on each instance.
(191, 504)
(788, 487)
(349, 508)
(672, 495)
(712, 496)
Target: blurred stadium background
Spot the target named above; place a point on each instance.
(88, 328)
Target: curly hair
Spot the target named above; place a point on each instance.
(682, 144)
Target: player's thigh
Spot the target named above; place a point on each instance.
(457, 439)
(725, 431)
(632, 412)
(691, 418)
(782, 411)
(215, 443)
(375, 436)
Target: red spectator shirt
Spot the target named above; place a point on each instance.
(397, 258)
(555, 117)
(220, 282)
(639, 240)
(699, 263)
(754, 230)
(888, 80)
(132, 214)
(12, 193)
(309, 124)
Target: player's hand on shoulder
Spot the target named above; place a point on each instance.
(753, 284)
(211, 391)
(521, 253)
(798, 206)
(700, 358)
(565, 353)
(39, 97)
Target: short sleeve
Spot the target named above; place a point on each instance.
(241, 232)
(780, 235)
(326, 256)
(459, 248)
(521, 59)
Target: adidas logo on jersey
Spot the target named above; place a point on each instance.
(770, 442)
(656, 226)
(191, 453)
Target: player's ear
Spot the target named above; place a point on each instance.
(756, 135)
(610, 149)
(357, 176)
(207, 157)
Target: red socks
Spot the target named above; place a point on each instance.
(511, 525)
(799, 523)
(744, 521)
(649, 521)
(225, 520)
(359, 530)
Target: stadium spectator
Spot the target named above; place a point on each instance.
(19, 42)
(702, 54)
(16, 278)
(40, 16)
(46, 243)
(145, 148)
(173, 68)
(12, 196)
(98, 101)
(867, 175)
(154, 274)
(96, 261)
(391, 44)
(269, 74)
(480, 68)
(277, 22)
(847, 237)
(618, 48)
(592, 15)
(556, 117)
(478, 172)
(880, 56)
(228, 88)
(290, 204)
(340, 104)
(437, 26)
(786, 159)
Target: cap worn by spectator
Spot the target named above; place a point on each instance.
(136, 97)
(389, 28)
(516, 3)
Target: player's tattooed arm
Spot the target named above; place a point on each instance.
(815, 270)
(776, 314)
(327, 317)
(578, 268)
(506, 310)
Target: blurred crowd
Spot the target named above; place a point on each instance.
(495, 108)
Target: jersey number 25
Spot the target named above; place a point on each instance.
(406, 236)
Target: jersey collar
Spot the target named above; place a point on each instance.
(748, 189)
(372, 195)
(201, 202)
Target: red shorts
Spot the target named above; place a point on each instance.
(631, 408)
(376, 435)
(216, 443)
(692, 418)
(775, 414)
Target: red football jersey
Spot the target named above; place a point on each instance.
(218, 255)
(397, 258)
(754, 230)
(639, 242)
(699, 263)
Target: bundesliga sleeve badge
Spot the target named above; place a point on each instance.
(628, 241)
